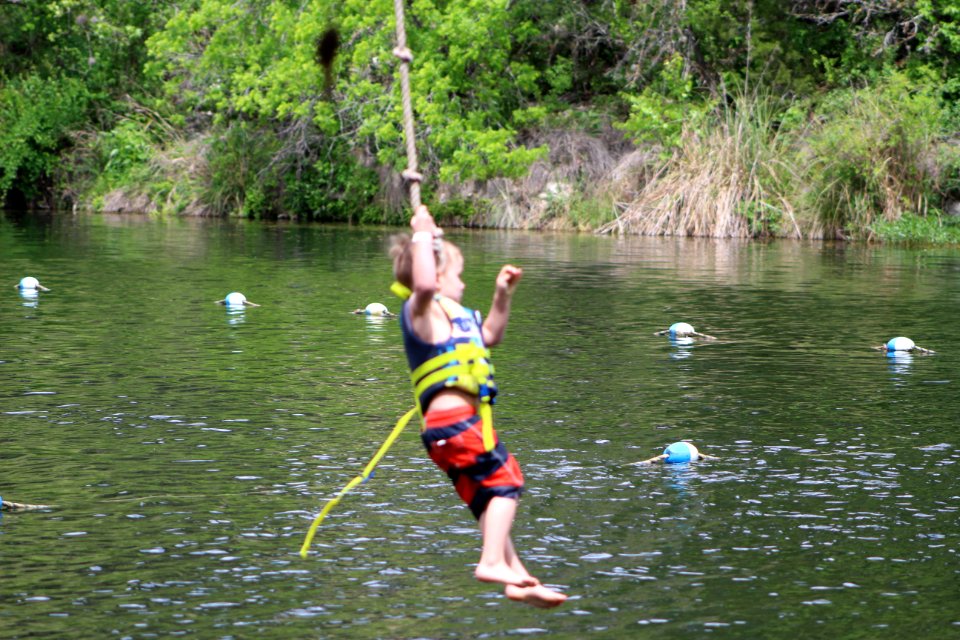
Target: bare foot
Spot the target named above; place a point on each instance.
(536, 596)
(503, 574)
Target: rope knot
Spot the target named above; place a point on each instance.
(411, 176)
(403, 53)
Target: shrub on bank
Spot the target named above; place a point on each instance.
(36, 117)
(869, 155)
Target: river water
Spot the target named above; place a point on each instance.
(186, 448)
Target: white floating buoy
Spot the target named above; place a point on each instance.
(375, 309)
(236, 300)
(681, 452)
(900, 344)
(678, 452)
(681, 329)
(30, 283)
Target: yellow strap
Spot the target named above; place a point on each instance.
(486, 414)
(460, 375)
(451, 308)
(464, 351)
(360, 478)
(434, 363)
(401, 291)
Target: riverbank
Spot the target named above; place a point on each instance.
(745, 121)
(870, 164)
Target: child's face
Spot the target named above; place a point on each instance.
(448, 280)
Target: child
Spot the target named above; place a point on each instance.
(445, 345)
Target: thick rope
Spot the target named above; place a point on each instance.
(411, 175)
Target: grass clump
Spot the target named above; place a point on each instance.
(724, 179)
(914, 229)
(867, 157)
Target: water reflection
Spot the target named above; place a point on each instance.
(899, 362)
(681, 475)
(31, 297)
(236, 315)
(380, 329)
(683, 347)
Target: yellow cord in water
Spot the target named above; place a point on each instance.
(360, 478)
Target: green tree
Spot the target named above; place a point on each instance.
(63, 65)
(254, 60)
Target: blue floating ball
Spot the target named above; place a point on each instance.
(376, 309)
(900, 344)
(235, 299)
(29, 284)
(681, 452)
(681, 329)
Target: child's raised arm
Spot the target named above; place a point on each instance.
(495, 323)
(424, 261)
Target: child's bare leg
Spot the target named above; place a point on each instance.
(495, 524)
(513, 561)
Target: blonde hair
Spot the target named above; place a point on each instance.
(401, 250)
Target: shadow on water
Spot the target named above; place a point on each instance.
(187, 447)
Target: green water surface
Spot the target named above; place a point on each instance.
(187, 447)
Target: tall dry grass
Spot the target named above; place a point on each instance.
(727, 180)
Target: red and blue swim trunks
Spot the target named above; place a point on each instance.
(454, 440)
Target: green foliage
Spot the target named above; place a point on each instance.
(255, 59)
(64, 63)
(589, 213)
(948, 173)
(914, 229)
(239, 161)
(36, 116)
(126, 146)
(489, 79)
(661, 113)
(865, 157)
(942, 20)
(340, 190)
(456, 210)
(97, 42)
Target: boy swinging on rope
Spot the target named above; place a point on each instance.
(446, 346)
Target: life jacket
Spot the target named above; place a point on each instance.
(461, 362)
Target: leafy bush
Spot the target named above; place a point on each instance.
(126, 146)
(665, 109)
(913, 229)
(255, 61)
(340, 190)
(866, 151)
(241, 177)
(36, 116)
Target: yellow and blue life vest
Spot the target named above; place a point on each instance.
(460, 362)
